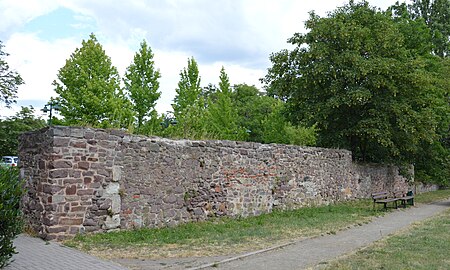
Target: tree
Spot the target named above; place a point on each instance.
(189, 105)
(277, 129)
(89, 89)
(252, 107)
(141, 83)
(436, 14)
(11, 222)
(12, 127)
(222, 115)
(354, 76)
(10, 80)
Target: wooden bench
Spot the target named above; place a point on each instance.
(404, 198)
(383, 198)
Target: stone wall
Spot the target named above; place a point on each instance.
(89, 180)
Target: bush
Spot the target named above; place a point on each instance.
(11, 191)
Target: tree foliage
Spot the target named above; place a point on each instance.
(11, 222)
(264, 120)
(12, 127)
(189, 105)
(222, 117)
(10, 80)
(89, 89)
(141, 83)
(362, 80)
(436, 14)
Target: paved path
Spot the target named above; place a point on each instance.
(36, 254)
(311, 252)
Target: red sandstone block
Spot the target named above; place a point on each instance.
(60, 142)
(58, 173)
(84, 165)
(87, 180)
(71, 221)
(60, 164)
(78, 144)
(72, 181)
(78, 209)
(71, 190)
(82, 192)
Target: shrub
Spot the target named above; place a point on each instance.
(11, 190)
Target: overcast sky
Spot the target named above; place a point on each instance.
(240, 35)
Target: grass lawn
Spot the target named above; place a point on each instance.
(229, 236)
(425, 245)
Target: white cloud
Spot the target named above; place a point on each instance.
(38, 62)
(239, 35)
(14, 13)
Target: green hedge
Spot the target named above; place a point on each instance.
(11, 190)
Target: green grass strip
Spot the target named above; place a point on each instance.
(424, 246)
(273, 228)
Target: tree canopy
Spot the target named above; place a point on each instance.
(222, 116)
(189, 104)
(12, 127)
(436, 14)
(89, 89)
(358, 75)
(141, 84)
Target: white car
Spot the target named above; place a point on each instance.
(10, 160)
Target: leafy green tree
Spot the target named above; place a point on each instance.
(189, 105)
(354, 76)
(12, 127)
(209, 93)
(141, 83)
(252, 107)
(9, 80)
(11, 192)
(222, 115)
(264, 118)
(276, 129)
(436, 14)
(89, 89)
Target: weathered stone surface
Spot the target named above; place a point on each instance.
(116, 173)
(84, 165)
(71, 221)
(71, 190)
(112, 222)
(83, 179)
(60, 164)
(58, 173)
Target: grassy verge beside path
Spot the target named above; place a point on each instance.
(230, 236)
(425, 245)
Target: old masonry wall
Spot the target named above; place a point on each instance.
(89, 180)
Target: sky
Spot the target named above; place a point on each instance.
(240, 35)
